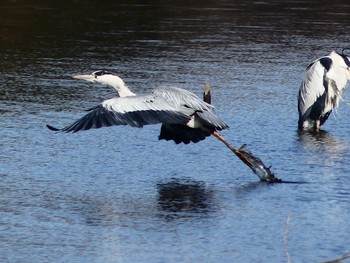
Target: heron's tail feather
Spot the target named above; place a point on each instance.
(52, 128)
(181, 133)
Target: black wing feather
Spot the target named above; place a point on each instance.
(182, 134)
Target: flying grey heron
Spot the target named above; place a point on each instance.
(184, 117)
(321, 89)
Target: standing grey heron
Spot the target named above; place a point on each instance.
(184, 117)
(321, 89)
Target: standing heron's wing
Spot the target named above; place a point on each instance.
(340, 73)
(313, 87)
(135, 111)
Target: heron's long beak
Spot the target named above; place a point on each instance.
(85, 77)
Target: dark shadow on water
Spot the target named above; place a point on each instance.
(184, 198)
(175, 199)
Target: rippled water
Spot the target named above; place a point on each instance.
(120, 195)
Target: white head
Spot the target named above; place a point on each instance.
(107, 78)
(342, 60)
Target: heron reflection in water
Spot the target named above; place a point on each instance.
(184, 195)
(322, 140)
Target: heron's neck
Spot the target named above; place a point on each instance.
(119, 85)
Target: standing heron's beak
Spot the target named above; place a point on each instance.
(85, 77)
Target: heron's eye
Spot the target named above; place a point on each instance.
(99, 72)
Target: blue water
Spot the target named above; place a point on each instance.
(120, 195)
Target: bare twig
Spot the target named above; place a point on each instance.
(284, 239)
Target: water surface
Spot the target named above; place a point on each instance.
(120, 195)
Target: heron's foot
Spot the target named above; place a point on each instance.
(242, 147)
(271, 178)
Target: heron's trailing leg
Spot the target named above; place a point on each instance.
(234, 150)
(251, 161)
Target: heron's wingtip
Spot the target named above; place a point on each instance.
(52, 128)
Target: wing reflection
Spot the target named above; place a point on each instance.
(180, 196)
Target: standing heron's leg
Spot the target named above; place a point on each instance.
(317, 125)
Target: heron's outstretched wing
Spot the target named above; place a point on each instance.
(179, 97)
(135, 111)
(313, 86)
(182, 98)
